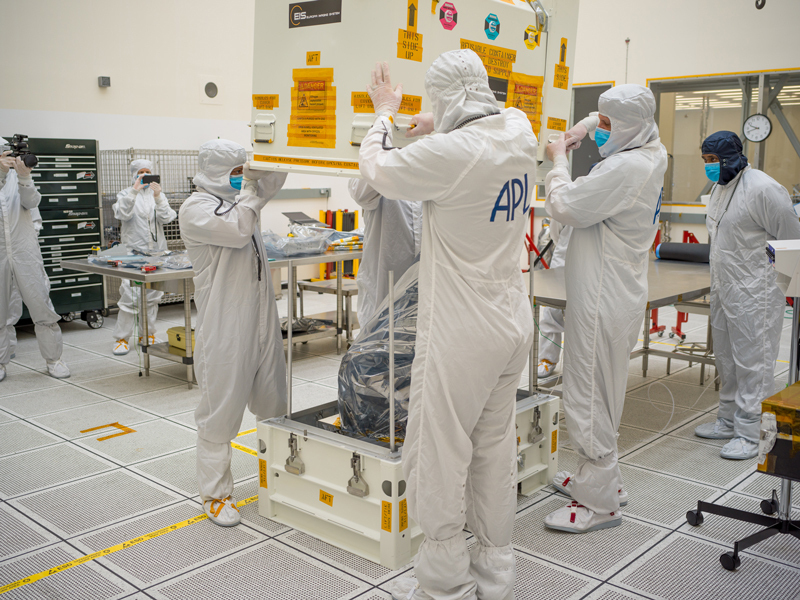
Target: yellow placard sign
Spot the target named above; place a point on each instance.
(412, 15)
(532, 37)
(482, 49)
(525, 94)
(265, 101)
(386, 516)
(262, 472)
(562, 52)
(409, 45)
(554, 441)
(307, 162)
(403, 515)
(312, 123)
(556, 124)
(561, 80)
(362, 103)
(313, 58)
(326, 498)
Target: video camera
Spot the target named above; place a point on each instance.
(19, 148)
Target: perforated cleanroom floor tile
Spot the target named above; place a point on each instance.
(597, 553)
(693, 397)
(186, 418)
(41, 402)
(316, 367)
(684, 568)
(18, 436)
(28, 381)
(637, 381)
(662, 499)
(105, 347)
(20, 534)
(309, 395)
(94, 502)
(610, 592)
(269, 571)
(88, 581)
(179, 471)
(691, 460)
(170, 401)
(783, 548)
(7, 417)
(656, 366)
(648, 414)
(45, 467)
(524, 502)
(129, 384)
(691, 375)
(249, 441)
(70, 355)
(761, 486)
(250, 514)
(176, 370)
(687, 431)
(166, 556)
(629, 439)
(375, 594)
(95, 369)
(148, 440)
(538, 580)
(73, 423)
(567, 460)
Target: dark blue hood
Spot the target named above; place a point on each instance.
(728, 147)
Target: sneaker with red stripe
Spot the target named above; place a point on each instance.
(576, 518)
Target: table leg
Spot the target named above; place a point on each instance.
(143, 319)
(349, 320)
(290, 322)
(339, 273)
(187, 317)
(293, 291)
(533, 369)
(646, 345)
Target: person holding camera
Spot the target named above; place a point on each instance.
(21, 265)
(142, 211)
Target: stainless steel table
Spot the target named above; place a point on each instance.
(158, 279)
(668, 282)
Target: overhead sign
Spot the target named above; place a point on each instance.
(492, 26)
(448, 16)
(314, 12)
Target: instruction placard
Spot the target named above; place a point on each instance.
(307, 162)
(265, 101)
(313, 58)
(409, 45)
(386, 516)
(313, 117)
(556, 124)
(525, 94)
(403, 515)
(262, 472)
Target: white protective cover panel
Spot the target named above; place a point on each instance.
(312, 63)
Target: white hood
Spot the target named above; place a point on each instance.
(631, 109)
(137, 165)
(216, 161)
(458, 87)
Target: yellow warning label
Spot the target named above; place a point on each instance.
(482, 49)
(403, 515)
(525, 94)
(556, 124)
(532, 37)
(265, 101)
(409, 45)
(307, 162)
(386, 516)
(313, 117)
(313, 58)
(262, 472)
(362, 103)
(326, 498)
(554, 441)
(561, 80)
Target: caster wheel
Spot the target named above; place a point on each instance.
(694, 518)
(672, 335)
(660, 334)
(730, 562)
(768, 507)
(68, 318)
(105, 312)
(683, 337)
(97, 323)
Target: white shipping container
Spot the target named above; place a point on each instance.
(312, 63)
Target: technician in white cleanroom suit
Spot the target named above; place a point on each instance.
(21, 265)
(475, 178)
(614, 215)
(239, 347)
(551, 323)
(142, 211)
(15, 304)
(747, 208)
(392, 237)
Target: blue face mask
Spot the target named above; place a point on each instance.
(236, 182)
(712, 171)
(601, 136)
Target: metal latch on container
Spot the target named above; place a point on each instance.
(294, 463)
(361, 125)
(264, 129)
(541, 14)
(520, 462)
(536, 434)
(357, 486)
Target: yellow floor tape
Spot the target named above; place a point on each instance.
(129, 543)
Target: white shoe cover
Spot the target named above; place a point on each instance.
(576, 518)
(58, 369)
(2, 372)
(223, 512)
(714, 431)
(562, 482)
(121, 348)
(407, 588)
(739, 449)
(546, 368)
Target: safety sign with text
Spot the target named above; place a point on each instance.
(314, 12)
(448, 15)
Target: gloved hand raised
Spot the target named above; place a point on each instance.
(138, 185)
(575, 135)
(6, 162)
(156, 189)
(254, 175)
(23, 171)
(557, 148)
(385, 98)
(423, 125)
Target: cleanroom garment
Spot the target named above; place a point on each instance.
(614, 214)
(239, 356)
(747, 306)
(475, 328)
(392, 238)
(21, 265)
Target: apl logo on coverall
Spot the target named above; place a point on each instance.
(512, 194)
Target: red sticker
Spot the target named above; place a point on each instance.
(448, 15)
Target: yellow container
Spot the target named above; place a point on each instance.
(784, 458)
(177, 337)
